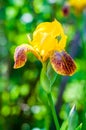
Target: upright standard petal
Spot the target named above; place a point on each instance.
(63, 63)
(20, 56)
(53, 28)
(47, 37)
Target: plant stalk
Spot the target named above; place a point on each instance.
(53, 111)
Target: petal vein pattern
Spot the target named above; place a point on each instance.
(62, 63)
(20, 56)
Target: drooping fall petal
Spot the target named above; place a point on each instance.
(20, 56)
(63, 63)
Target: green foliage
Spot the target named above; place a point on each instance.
(45, 80)
(48, 76)
(51, 74)
(73, 119)
(79, 127)
(71, 122)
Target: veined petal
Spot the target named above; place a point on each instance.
(20, 56)
(62, 63)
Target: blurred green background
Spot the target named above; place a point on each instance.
(23, 102)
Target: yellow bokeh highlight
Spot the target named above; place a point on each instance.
(78, 4)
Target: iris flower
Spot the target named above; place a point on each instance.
(48, 42)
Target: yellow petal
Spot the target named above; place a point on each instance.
(45, 41)
(62, 63)
(52, 28)
(20, 57)
(60, 46)
(44, 44)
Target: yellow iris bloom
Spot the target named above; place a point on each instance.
(47, 37)
(48, 41)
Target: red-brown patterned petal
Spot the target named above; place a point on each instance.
(20, 57)
(63, 63)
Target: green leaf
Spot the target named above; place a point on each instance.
(45, 82)
(73, 119)
(64, 125)
(48, 76)
(51, 74)
(79, 127)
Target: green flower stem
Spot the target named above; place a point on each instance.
(53, 111)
